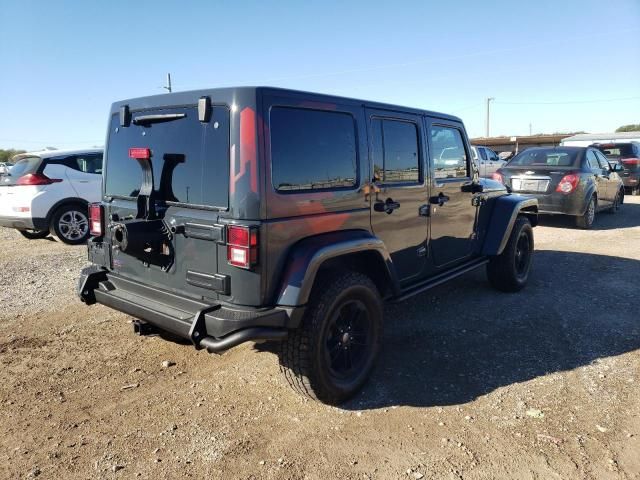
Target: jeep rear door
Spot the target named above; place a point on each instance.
(190, 164)
(453, 216)
(398, 189)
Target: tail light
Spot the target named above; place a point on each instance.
(96, 214)
(36, 179)
(631, 162)
(242, 246)
(497, 177)
(140, 153)
(568, 183)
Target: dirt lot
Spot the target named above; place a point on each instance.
(472, 383)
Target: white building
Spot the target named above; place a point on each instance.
(586, 139)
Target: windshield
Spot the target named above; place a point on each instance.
(190, 159)
(545, 158)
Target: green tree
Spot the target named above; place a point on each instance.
(5, 155)
(633, 127)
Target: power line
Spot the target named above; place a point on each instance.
(570, 102)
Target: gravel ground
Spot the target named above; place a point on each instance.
(472, 383)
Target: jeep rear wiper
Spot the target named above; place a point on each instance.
(159, 118)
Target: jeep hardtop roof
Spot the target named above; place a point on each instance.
(187, 98)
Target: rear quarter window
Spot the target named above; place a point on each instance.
(312, 150)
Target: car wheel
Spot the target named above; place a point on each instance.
(586, 220)
(509, 271)
(635, 191)
(34, 234)
(329, 357)
(70, 224)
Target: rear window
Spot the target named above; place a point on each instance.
(545, 158)
(312, 150)
(619, 151)
(25, 166)
(190, 159)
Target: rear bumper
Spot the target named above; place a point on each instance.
(213, 326)
(560, 204)
(24, 223)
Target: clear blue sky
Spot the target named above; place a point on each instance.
(64, 62)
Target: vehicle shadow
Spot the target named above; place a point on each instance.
(627, 217)
(463, 340)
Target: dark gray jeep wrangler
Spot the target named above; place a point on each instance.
(242, 214)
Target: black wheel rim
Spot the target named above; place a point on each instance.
(523, 254)
(348, 340)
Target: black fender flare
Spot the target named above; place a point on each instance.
(307, 256)
(505, 211)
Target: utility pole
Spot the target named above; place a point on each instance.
(488, 120)
(168, 85)
(530, 129)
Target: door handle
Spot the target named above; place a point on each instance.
(440, 199)
(388, 206)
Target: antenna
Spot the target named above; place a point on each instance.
(168, 85)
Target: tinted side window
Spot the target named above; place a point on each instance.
(448, 153)
(88, 163)
(396, 158)
(592, 160)
(312, 149)
(483, 154)
(604, 163)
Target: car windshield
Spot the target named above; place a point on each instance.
(545, 158)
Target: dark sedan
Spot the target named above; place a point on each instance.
(576, 181)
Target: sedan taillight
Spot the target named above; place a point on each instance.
(497, 177)
(242, 246)
(96, 213)
(568, 183)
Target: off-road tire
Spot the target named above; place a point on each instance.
(34, 234)
(304, 354)
(66, 212)
(585, 221)
(509, 271)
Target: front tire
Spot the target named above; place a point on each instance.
(34, 234)
(586, 220)
(70, 224)
(509, 271)
(329, 357)
(615, 207)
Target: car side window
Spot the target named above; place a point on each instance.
(448, 155)
(483, 153)
(592, 160)
(604, 163)
(492, 155)
(396, 157)
(89, 163)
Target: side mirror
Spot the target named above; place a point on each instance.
(616, 167)
(472, 187)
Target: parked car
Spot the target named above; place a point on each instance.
(242, 214)
(628, 155)
(4, 168)
(48, 192)
(577, 181)
(487, 160)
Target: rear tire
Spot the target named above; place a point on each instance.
(586, 220)
(70, 224)
(509, 271)
(329, 357)
(34, 234)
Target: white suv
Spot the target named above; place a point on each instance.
(49, 192)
